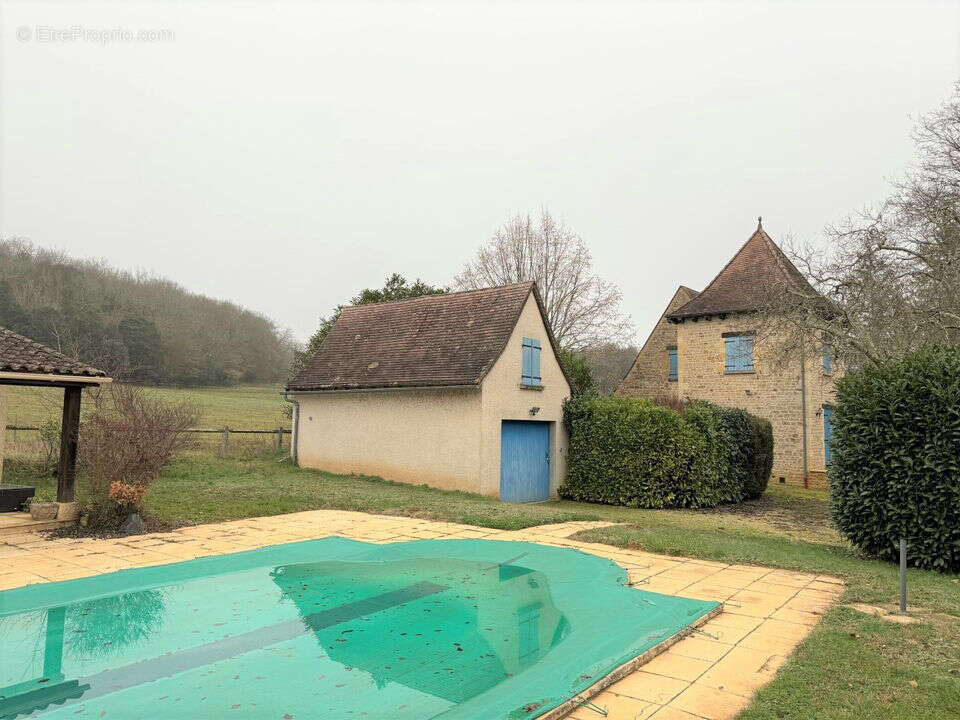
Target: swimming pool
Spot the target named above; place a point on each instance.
(331, 628)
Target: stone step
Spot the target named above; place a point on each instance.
(18, 522)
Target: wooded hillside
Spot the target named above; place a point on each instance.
(137, 327)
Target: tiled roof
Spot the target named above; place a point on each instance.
(436, 340)
(746, 279)
(23, 355)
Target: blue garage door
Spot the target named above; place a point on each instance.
(524, 461)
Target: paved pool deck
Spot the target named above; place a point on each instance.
(710, 675)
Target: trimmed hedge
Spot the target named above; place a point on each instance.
(896, 458)
(628, 451)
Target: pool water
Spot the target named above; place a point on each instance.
(331, 628)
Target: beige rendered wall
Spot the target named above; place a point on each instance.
(412, 436)
(504, 399)
(649, 375)
(771, 391)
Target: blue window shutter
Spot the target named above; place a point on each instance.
(738, 353)
(673, 365)
(746, 352)
(731, 347)
(536, 363)
(530, 372)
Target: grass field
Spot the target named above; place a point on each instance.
(853, 666)
(240, 406)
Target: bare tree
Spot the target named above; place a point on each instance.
(127, 439)
(609, 362)
(582, 308)
(889, 280)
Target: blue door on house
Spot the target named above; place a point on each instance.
(827, 434)
(524, 461)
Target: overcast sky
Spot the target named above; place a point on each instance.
(284, 155)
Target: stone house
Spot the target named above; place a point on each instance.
(706, 346)
(462, 391)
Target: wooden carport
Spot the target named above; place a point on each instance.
(26, 362)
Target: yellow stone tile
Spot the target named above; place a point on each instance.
(806, 603)
(708, 590)
(701, 648)
(671, 713)
(652, 688)
(726, 619)
(728, 633)
(796, 616)
(742, 671)
(672, 665)
(707, 702)
(8, 582)
(621, 707)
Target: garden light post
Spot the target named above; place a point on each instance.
(903, 576)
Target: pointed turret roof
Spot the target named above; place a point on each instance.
(758, 265)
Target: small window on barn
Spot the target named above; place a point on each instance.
(530, 372)
(674, 365)
(827, 355)
(738, 353)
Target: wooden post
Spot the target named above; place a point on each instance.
(69, 434)
(278, 440)
(225, 443)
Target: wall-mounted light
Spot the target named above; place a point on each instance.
(534, 411)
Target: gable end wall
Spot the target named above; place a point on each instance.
(648, 376)
(503, 399)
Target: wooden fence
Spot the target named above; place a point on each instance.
(224, 433)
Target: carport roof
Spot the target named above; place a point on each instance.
(21, 356)
(433, 341)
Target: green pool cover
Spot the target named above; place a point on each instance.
(331, 628)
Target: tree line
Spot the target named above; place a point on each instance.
(135, 326)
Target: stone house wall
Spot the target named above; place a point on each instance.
(649, 374)
(772, 390)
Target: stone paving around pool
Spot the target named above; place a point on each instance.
(711, 674)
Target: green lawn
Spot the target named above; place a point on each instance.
(853, 666)
(240, 406)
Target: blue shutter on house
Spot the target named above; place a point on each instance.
(530, 367)
(674, 367)
(731, 350)
(746, 352)
(827, 435)
(738, 353)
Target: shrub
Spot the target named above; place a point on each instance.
(578, 371)
(896, 458)
(628, 451)
(760, 451)
(126, 441)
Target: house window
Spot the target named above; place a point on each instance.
(530, 371)
(827, 356)
(738, 353)
(674, 367)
